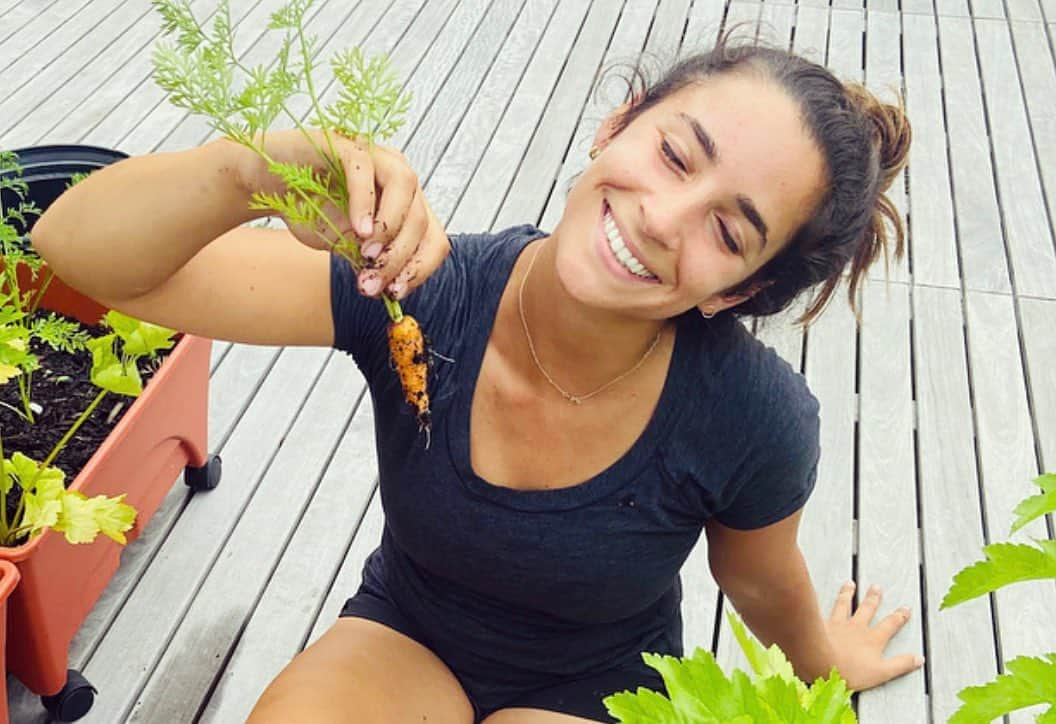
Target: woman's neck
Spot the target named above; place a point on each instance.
(579, 347)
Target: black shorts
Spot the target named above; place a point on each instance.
(579, 697)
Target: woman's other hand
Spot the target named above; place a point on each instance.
(859, 646)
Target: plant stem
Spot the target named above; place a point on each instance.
(3, 493)
(40, 294)
(73, 429)
(16, 411)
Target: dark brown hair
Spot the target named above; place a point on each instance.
(864, 143)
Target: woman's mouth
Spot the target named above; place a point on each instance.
(620, 253)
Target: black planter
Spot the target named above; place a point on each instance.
(47, 171)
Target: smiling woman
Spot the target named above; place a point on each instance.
(593, 423)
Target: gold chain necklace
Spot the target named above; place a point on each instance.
(574, 399)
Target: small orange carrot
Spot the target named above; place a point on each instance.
(407, 349)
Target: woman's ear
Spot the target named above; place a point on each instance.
(721, 302)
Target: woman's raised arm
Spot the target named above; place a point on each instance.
(160, 237)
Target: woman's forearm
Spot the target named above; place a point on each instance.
(130, 226)
(791, 618)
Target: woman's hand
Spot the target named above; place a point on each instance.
(399, 235)
(859, 647)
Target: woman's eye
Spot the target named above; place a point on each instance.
(672, 156)
(731, 243)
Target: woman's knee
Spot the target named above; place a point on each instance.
(362, 671)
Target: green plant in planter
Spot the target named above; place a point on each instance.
(43, 500)
(700, 692)
(1030, 680)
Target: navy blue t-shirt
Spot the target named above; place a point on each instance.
(567, 581)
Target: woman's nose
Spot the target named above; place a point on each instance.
(665, 219)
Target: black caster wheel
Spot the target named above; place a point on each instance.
(74, 701)
(206, 477)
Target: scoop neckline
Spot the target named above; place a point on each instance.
(621, 472)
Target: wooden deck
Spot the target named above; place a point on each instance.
(936, 413)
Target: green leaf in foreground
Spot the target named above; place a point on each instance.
(1030, 681)
(1005, 563)
(1037, 505)
(698, 691)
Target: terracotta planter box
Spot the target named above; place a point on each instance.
(8, 581)
(163, 431)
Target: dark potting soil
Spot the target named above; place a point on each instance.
(62, 387)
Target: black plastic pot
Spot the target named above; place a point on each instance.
(47, 171)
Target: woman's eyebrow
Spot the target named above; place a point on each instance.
(746, 205)
(703, 137)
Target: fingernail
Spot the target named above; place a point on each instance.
(366, 225)
(849, 584)
(396, 290)
(370, 284)
(919, 661)
(372, 250)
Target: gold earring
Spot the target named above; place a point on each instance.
(594, 151)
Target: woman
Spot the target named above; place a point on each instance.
(513, 586)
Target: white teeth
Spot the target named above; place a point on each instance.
(621, 252)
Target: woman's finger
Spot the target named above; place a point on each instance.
(842, 608)
(901, 665)
(871, 602)
(892, 623)
(399, 186)
(400, 250)
(430, 253)
(360, 178)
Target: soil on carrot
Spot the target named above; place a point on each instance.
(63, 388)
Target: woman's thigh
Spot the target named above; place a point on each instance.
(363, 671)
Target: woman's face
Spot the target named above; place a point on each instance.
(690, 199)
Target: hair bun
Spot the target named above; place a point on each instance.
(892, 132)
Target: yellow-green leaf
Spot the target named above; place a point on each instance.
(109, 373)
(113, 516)
(1037, 505)
(1005, 563)
(1029, 681)
(77, 520)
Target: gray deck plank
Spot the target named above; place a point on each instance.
(668, 28)
(486, 189)
(931, 220)
(1027, 232)
(467, 147)
(1038, 75)
(130, 649)
(453, 76)
(883, 77)
(81, 40)
(1024, 10)
(288, 607)
(958, 638)
(1006, 465)
(982, 246)
(541, 163)
(100, 82)
(994, 9)
(702, 27)
(628, 40)
(29, 24)
(888, 537)
(1036, 316)
(212, 625)
(744, 12)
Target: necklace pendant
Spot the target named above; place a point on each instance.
(574, 400)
